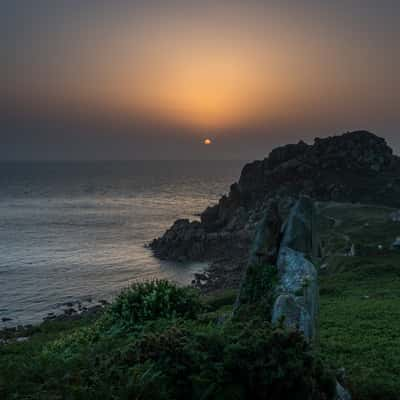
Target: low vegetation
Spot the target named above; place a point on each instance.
(257, 293)
(153, 300)
(360, 301)
(137, 350)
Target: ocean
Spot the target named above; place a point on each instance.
(76, 232)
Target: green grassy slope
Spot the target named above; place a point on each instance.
(360, 299)
(160, 342)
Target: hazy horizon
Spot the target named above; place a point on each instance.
(151, 80)
(396, 151)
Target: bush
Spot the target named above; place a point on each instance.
(259, 288)
(239, 362)
(168, 358)
(153, 300)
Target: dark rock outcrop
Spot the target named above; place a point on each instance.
(186, 241)
(354, 167)
(183, 240)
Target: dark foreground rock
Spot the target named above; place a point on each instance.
(354, 167)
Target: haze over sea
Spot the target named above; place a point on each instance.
(77, 231)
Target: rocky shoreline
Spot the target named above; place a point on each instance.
(73, 311)
(220, 275)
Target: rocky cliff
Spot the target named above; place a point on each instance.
(354, 167)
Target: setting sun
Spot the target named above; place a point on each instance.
(207, 141)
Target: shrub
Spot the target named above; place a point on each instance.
(259, 288)
(242, 361)
(153, 300)
(170, 359)
(167, 358)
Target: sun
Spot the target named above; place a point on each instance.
(207, 141)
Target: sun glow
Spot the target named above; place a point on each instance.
(207, 88)
(209, 96)
(187, 73)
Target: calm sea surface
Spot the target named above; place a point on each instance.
(76, 231)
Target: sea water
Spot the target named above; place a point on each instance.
(76, 232)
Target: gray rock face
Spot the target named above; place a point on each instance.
(395, 216)
(294, 270)
(293, 313)
(298, 290)
(298, 300)
(342, 393)
(396, 244)
(286, 307)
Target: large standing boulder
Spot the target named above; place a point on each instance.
(296, 305)
(297, 302)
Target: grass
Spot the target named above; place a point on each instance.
(360, 302)
(218, 299)
(153, 344)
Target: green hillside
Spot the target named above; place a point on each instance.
(360, 298)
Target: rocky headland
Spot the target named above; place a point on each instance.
(356, 167)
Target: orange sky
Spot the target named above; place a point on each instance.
(217, 66)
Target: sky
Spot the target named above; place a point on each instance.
(151, 79)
